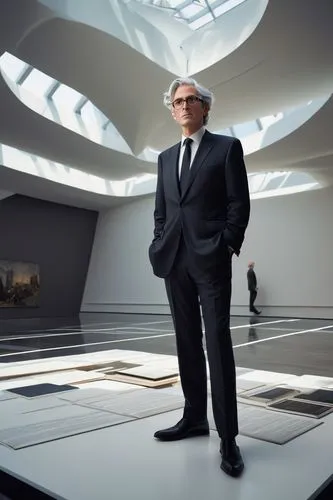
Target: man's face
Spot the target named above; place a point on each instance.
(189, 115)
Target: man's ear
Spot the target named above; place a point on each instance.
(206, 109)
(173, 114)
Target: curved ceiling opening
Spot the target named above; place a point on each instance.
(61, 103)
(261, 184)
(269, 184)
(194, 13)
(66, 106)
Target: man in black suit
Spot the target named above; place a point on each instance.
(201, 213)
(252, 287)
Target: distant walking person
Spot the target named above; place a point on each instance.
(252, 287)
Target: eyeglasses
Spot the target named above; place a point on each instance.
(190, 101)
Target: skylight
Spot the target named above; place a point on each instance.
(195, 13)
(73, 104)
(72, 109)
(268, 184)
(66, 96)
(12, 66)
(37, 82)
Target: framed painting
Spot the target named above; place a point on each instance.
(19, 284)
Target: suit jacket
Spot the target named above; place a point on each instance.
(213, 211)
(251, 280)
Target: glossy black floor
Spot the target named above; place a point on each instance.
(296, 346)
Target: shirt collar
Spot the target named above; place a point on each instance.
(196, 137)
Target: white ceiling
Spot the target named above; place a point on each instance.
(260, 58)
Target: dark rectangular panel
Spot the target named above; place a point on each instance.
(320, 395)
(271, 394)
(302, 408)
(31, 391)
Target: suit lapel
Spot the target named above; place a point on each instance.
(174, 176)
(205, 146)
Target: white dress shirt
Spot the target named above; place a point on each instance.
(196, 138)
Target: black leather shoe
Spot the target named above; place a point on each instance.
(183, 429)
(232, 462)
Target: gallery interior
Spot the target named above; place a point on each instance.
(88, 356)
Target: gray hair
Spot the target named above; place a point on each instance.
(205, 94)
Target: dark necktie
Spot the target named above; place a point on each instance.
(185, 170)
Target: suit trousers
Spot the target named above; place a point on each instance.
(185, 285)
(253, 296)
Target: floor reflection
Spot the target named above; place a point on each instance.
(253, 335)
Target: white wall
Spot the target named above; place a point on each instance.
(120, 277)
(290, 238)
